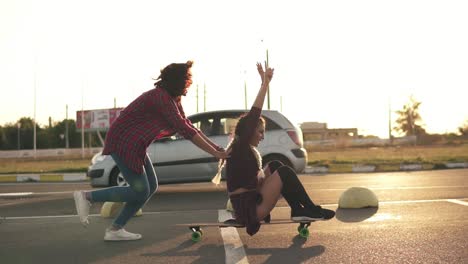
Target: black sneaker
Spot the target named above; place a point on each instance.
(304, 214)
(328, 214)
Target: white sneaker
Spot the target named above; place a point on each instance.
(120, 235)
(82, 207)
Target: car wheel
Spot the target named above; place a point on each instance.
(117, 178)
(278, 157)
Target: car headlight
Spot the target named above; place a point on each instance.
(98, 158)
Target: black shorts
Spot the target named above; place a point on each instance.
(245, 209)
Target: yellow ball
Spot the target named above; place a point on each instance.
(358, 197)
(111, 209)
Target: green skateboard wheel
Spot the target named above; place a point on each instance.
(196, 236)
(304, 232)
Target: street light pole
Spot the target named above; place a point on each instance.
(66, 127)
(19, 127)
(268, 91)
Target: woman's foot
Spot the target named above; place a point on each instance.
(303, 214)
(82, 206)
(328, 214)
(313, 214)
(120, 235)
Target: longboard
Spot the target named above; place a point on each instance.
(197, 232)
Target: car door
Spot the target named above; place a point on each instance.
(178, 160)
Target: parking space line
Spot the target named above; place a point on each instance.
(223, 214)
(457, 202)
(233, 246)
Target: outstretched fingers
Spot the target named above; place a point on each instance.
(260, 71)
(269, 73)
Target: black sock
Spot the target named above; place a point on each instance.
(293, 188)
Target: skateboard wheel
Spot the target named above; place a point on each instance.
(196, 236)
(304, 232)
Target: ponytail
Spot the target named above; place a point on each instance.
(217, 178)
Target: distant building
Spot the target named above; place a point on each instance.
(318, 131)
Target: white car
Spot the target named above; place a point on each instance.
(178, 160)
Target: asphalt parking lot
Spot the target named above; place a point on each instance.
(422, 218)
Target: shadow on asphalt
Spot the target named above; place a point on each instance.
(204, 254)
(292, 254)
(355, 215)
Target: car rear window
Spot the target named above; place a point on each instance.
(224, 123)
(270, 124)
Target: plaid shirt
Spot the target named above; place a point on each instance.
(153, 115)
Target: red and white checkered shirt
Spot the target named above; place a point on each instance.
(153, 115)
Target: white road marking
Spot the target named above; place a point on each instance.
(227, 216)
(458, 202)
(233, 246)
(15, 194)
(330, 189)
(396, 188)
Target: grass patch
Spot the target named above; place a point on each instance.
(390, 155)
(337, 160)
(44, 165)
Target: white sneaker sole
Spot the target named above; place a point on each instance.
(122, 238)
(78, 198)
(305, 219)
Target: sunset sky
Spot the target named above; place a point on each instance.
(339, 62)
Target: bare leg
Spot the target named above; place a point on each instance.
(271, 192)
(268, 170)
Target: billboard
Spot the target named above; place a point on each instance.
(97, 120)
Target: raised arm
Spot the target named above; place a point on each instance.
(266, 76)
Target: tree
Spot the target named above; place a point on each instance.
(409, 120)
(464, 129)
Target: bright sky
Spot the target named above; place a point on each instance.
(338, 62)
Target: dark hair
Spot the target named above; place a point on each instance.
(234, 145)
(241, 127)
(241, 123)
(173, 78)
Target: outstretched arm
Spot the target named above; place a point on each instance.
(266, 76)
(210, 142)
(200, 142)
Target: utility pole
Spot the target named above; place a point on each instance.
(390, 137)
(82, 120)
(19, 133)
(197, 97)
(66, 127)
(245, 94)
(281, 103)
(204, 97)
(34, 120)
(268, 91)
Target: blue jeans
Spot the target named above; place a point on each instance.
(141, 188)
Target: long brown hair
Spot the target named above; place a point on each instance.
(174, 77)
(234, 144)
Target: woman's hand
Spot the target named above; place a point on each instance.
(269, 74)
(222, 154)
(265, 75)
(260, 70)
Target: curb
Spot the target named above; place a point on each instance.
(74, 177)
(373, 168)
(43, 177)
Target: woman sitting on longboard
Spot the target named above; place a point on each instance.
(254, 191)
